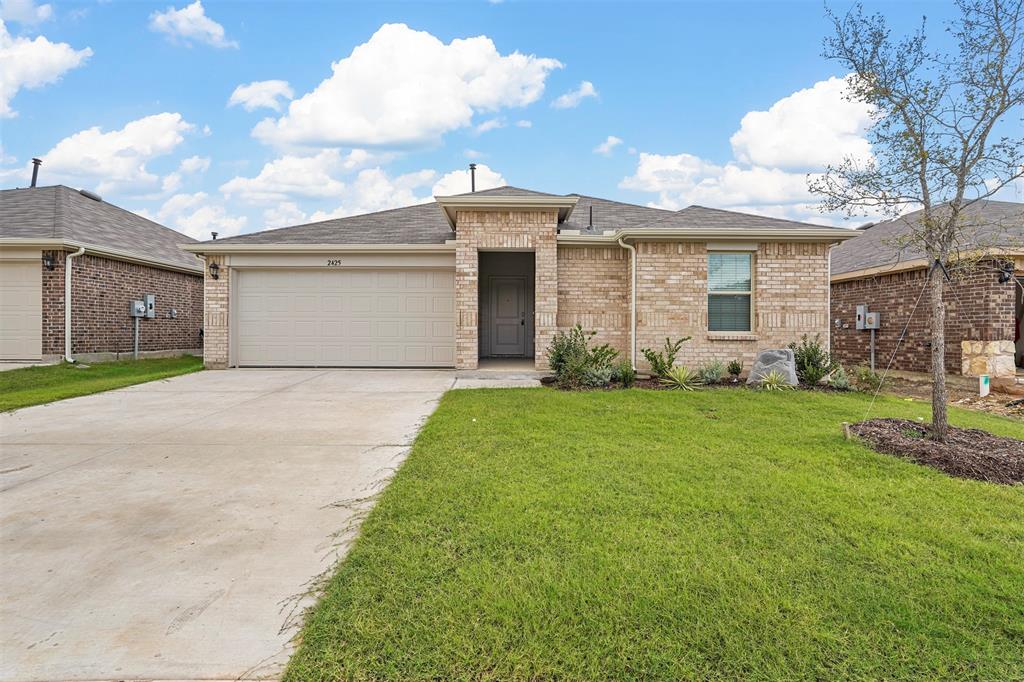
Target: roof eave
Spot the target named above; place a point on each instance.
(824, 234)
(104, 251)
(244, 247)
(451, 204)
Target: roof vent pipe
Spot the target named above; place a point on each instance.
(214, 236)
(36, 163)
(590, 224)
(472, 177)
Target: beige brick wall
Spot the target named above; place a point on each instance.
(790, 299)
(593, 292)
(510, 230)
(216, 294)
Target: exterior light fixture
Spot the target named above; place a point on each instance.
(1005, 272)
(215, 270)
(48, 261)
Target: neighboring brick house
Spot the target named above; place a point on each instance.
(983, 300)
(121, 258)
(497, 273)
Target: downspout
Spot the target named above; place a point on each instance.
(67, 302)
(632, 300)
(828, 290)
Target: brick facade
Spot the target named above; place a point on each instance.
(593, 292)
(506, 230)
(102, 290)
(216, 319)
(981, 309)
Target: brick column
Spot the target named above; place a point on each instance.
(467, 288)
(216, 318)
(545, 296)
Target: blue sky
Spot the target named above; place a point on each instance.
(725, 104)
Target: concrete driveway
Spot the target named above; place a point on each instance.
(169, 530)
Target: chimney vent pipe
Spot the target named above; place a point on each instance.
(36, 163)
(472, 177)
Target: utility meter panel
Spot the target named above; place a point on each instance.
(872, 320)
(150, 305)
(138, 309)
(862, 312)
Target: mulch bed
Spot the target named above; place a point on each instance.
(967, 453)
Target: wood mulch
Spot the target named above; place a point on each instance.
(967, 453)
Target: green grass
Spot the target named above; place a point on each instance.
(536, 534)
(37, 385)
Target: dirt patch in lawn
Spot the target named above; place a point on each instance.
(967, 453)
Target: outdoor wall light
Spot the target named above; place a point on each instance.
(215, 270)
(1005, 272)
(48, 261)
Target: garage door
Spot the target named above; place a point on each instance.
(21, 302)
(345, 318)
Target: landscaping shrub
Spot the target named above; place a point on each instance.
(774, 381)
(681, 378)
(662, 361)
(575, 364)
(712, 372)
(839, 380)
(735, 367)
(867, 379)
(624, 373)
(813, 362)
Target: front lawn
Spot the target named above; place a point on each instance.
(538, 534)
(36, 385)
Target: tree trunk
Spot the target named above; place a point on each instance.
(940, 424)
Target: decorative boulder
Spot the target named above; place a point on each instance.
(780, 359)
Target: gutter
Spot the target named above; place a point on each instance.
(67, 302)
(105, 252)
(632, 301)
(741, 234)
(210, 247)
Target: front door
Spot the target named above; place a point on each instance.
(508, 316)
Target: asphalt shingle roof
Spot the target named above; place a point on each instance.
(59, 212)
(426, 223)
(987, 224)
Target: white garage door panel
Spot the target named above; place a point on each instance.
(346, 318)
(21, 305)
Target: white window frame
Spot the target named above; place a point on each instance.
(750, 292)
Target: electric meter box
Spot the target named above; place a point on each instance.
(872, 320)
(138, 309)
(862, 312)
(150, 305)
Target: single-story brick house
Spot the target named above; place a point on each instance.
(115, 257)
(497, 273)
(984, 305)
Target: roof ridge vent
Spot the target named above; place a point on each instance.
(90, 195)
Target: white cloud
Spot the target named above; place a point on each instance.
(32, 63)
(489, 124)
(196, 217)
(290, 177)
(405, 87)
(458, 182)
(190, 24)
(25, 11)
(808, 129)
(283, 215)
(775, 153)
(573, 98)
(468, 153)
(606, 147)
(193, 164)
(523, 123)
(117, 159)
(261, 94)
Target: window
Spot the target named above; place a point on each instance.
(729, 292)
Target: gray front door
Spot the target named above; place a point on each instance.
(508, 316)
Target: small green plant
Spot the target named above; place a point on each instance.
(575, 364)
(681, 379)
(712, 372)
(813, 362)
(662, 361)
(735, 367)
(774, 381)
(867, 379)
(839, 380)
(624, 373)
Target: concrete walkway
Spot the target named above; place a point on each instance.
(170, 530)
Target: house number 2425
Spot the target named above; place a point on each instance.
(333, 262)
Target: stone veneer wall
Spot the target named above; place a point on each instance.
(216, 319)
(593, 291)
(510, 230)
(791, 282)
(102, 290)
(989, 316)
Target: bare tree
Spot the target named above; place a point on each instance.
(946, 133)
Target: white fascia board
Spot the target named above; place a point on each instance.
(210, 247)
(829, 234)
(104, 251)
